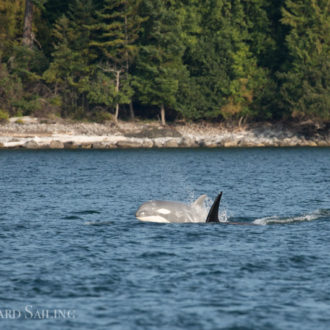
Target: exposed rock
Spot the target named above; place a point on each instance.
(188, 142)
(103, 145)
(147, 143)
(154, 132)
(247, 143)
(70, 145)
(129, 144)
(98, 145)
(201, 143)
(110, 145)
(283, 143)
(159, 143)
(230, 143)
(55, 144)
(323, 143)
(48, 133)
(31, 145)
(210, 144)
(311, 143)
(172, 143)
(86, 146)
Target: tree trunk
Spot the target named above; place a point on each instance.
(28, 19)
(117, 113)
(131, 111)
(162, 115)
(117, 91)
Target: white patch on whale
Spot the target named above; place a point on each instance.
(164, 211)
(156, 218)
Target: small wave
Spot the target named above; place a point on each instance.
(88, 212)
(299, 218)
(97, 223)
(71, 217)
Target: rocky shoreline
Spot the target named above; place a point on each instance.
(35, 133)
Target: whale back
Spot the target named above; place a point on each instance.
(199, 202)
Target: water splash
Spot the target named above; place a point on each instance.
(201, 212)
(223, 216)
(318, 214)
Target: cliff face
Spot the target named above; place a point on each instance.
(34, 133)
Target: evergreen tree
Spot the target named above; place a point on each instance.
(69, 71)
(24, 61)
(159, 65)
(224, 76)
(305, 90)
(52, 11)
(11, 26)
(113, 40)
(251, 41)
(11, 90)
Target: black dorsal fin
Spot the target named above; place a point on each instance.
(213, 213)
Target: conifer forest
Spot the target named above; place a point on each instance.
(213, 60)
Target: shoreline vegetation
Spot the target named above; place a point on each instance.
(192, 61)
(37, 133)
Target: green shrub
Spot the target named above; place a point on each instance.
(19, 121)
(101, 117)
(3, 116)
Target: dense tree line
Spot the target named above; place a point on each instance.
(177, 59)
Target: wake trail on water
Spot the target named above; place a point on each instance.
(316, 215)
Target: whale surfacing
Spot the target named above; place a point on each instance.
(177, 212)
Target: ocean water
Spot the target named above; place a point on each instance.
(73, 255)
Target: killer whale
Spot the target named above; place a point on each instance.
(177, 212)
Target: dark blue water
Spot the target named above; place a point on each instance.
(73, 255)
